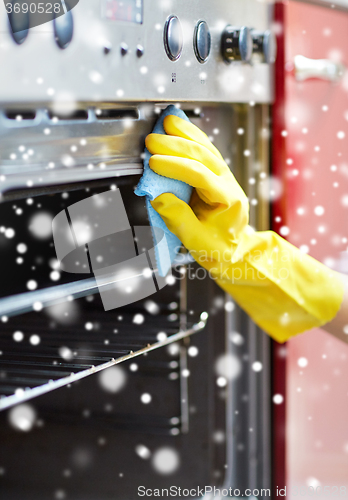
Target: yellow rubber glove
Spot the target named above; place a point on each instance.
(284, 291)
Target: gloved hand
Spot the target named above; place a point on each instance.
(283, 290)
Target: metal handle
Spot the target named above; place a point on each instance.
(324, 69)
(17, 184)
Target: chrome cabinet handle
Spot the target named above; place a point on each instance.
(324, 69)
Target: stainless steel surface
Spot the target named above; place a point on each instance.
(48, 149)
(324, 69)
(92, 67)
(29, 393)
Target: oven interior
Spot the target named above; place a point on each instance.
(190, 413)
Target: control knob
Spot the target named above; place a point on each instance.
(265, 44)
(19, 24)
(202, 41)
(173, 38)
(63, 29)
(236, 44)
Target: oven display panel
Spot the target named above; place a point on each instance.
(123, 10)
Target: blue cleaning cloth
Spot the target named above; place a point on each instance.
(152, 185)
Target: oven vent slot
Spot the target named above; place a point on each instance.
(19, 115)
(193, 113)
(117, 114)
(78, 114)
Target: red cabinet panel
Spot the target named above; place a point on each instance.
(314, 168)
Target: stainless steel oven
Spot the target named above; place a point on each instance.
(172, 390)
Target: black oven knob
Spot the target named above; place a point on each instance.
(265, 44)
(19, 24)
(140, 51)
(107, 48)
(236, 44)
(124, 49)
(63, 29)
(173, 38)
(202, 41)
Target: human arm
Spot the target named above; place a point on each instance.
(285, 291)
(338, 326)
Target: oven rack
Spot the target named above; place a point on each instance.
(28, 371)
(21, 303)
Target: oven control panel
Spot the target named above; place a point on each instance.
(112, 50)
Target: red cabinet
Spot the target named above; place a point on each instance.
(311, 159)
